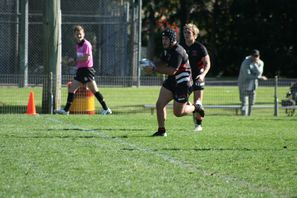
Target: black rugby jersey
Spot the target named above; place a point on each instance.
(177, 57)
(196, 52)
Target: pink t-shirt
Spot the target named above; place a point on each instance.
(86, 48)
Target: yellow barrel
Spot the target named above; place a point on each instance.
(83, 102)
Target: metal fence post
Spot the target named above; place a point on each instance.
(275, 96)
(23, 47)
(139, 42)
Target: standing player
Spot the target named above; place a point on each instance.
(251, 71)
(200, 65)
(85, 74)
(175, 63)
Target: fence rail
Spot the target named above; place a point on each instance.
(14, 98)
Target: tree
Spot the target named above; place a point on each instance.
(157, 16)
(230, 29)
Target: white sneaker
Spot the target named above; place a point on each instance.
(198, 128)
(62, 112)
(106, 112)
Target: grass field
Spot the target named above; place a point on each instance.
(131, 100)
(114, 156)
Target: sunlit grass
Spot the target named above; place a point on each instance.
(114, 156)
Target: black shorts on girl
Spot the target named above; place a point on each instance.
(85, 74)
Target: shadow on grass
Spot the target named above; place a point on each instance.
(221, 149)
(117, 110)
(124, 109)
(74, 136)
(214, 149)
(16, 109)
(90, 130)
(94, 130)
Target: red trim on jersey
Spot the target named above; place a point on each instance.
(200, 64)
(183, 67)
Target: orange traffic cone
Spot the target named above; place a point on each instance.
(31, 109)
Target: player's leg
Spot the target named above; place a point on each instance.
(182, 109)
(181, 104)
(244, 101)
(198, 90)
(94, 89)
(198, 117)
(251, 101)
(165, 96)
(73, 86)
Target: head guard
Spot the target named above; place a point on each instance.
(255, 52)
(169, 33)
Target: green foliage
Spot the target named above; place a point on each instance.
(231, 29)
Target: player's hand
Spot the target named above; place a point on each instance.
(263, 78)
(149, 70)
(71, 61)
(200, 78)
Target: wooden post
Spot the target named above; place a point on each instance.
(52, 53)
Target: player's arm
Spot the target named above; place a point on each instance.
(171, 67)
(206, 63)
(260, 68)
(83, 57)
(163, 68)
(255, 70)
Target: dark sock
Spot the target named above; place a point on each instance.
(100, 99)
(69, 101)
(199, 122)
(162, 129)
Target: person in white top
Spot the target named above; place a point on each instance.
(251, 71)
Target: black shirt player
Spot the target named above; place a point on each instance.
(200, 65)
(174, 62)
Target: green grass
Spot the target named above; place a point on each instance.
(131, 100)
(113, 156)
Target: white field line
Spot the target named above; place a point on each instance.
(229, 179)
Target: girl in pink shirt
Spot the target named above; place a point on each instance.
(84, 48)
(85, 74)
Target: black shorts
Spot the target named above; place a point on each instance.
(180, 91)
(85, 74)
(198, 86)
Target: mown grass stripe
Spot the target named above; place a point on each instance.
(228, 179)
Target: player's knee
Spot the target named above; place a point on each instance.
(177, 113)
(159, 105)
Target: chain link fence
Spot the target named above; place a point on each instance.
(107, 24)
(220, 98)
(111, 26)
(8, 34)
